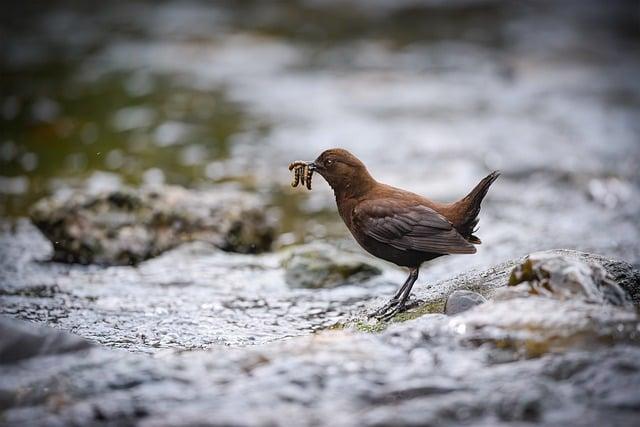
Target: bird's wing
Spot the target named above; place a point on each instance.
(409, 226)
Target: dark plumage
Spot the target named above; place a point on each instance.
(397, 225)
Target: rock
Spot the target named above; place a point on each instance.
(558, 276)
(416, 373)
(462, 300)
(491, 284)
(535, 325)
(322, 265)
(554, 302)
(21, 340)
(624, 274)
(559, 300)
(126, 226)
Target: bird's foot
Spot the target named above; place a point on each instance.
(393, 307)
(391, 312)
(382, 310)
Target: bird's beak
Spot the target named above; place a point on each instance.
(312, 166)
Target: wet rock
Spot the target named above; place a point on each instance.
(460, 301)
(324, 266)
(415, 373)
(534, 325)
(126, 226)
(554, 302)
(557, 276)
(521, 402)
(621, 272)
(491, 281)
(22, 341)
(624, 274)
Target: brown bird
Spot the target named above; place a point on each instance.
(397, 225)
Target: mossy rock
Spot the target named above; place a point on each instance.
(320, 265)
(127, 225)
(375, 326)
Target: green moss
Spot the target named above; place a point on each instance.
(362, 325)
(371, 327)
(426, 308)
(522, 273)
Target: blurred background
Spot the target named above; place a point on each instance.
(430, 94)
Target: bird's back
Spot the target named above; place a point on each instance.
(462, 214)
(401, 227)
(406, 228)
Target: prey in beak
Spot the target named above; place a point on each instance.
(302, 173)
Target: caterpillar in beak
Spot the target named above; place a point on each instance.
(302, 173)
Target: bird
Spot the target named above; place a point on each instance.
(396, 225)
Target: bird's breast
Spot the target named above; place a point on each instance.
(345, 209)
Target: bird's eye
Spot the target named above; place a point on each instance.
(329, 162)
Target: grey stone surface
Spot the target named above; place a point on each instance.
(422, 371)
(460, 301)
(564, 277)
(488, 281)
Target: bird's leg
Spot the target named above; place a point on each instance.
(401, 305)
(393, 301)
(399, 298)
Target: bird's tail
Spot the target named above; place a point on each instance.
(469, 206)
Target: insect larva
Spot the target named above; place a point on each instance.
(309, 173)
(302, 174)
(296, 177)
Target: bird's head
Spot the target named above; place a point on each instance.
(341, 169)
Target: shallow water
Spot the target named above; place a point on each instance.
(195, 296)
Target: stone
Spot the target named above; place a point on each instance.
(559, 276)
(415, 373)
(555, 301)
(321, 265)
(126, 225)
(613, 281)
(462, 300)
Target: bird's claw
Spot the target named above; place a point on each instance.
(382, 310)
(393, 307)
(390, 314)
(387, 311)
